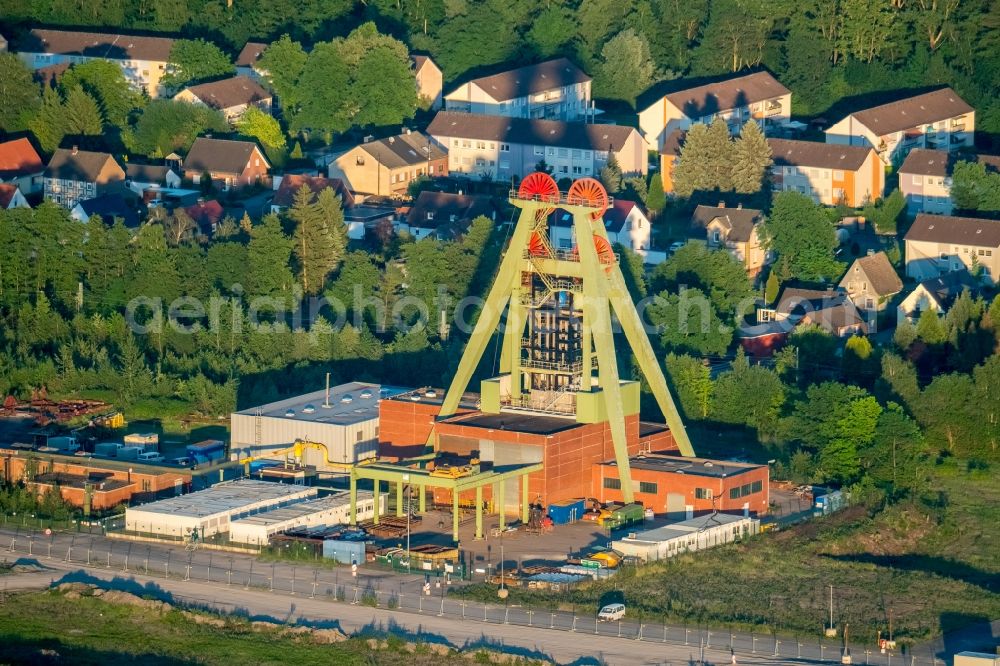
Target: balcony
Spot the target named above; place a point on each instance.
(767, 109)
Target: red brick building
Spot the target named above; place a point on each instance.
(230, 164)
(685, 487)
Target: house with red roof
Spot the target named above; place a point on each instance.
(20, 165)
(11, 197)
(207, 215)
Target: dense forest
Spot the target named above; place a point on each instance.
(831, 53)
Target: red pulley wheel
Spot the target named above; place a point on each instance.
(589, 192)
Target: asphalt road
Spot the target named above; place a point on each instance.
(334, 597)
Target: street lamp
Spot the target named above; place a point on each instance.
(409, 502)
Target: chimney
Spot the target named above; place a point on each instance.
(722, 204)
(392, 139)
(739, 206)
(76, 149)
(407, 130)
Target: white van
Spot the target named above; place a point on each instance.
(150, 457)
(611, 613)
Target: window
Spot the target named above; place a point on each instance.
(430, 216)
(551, 151)
(481, 145)
(756, 486)
(466, 144)
(647, 487)
(703, 493)
(613, 484)
(563, 152)
(359, 435)
(493, 146)
(917, 180)
(715, 236)
(539, 150)
(504, 147)
(504, 164)
(838, 175)
(734, 493)
(454, 142)
(602, 155)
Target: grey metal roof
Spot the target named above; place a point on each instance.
(693, 466)
(684, 528)
(300, 509)
(349, 403)
(228, 497)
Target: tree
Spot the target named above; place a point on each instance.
(626, 67)
(656, 198)
(611, 174)
(688, 323)
(49, 124)
(322, 104)
(19, 97)
(268, 256)
(713, 272)
(551, 30)
(319, 236)
(898, 451)
(751, 159)
(81, 114)
(193, 61)
(801, 233)
(749, 395)
(974, 188)
(771, 288)
(282, 63)
(860, 364)
(105, 81)
(691, 381)
(930, 329)
(706, 160)
(165, 126)
(383, 88)
(264, 128)
(887, 213)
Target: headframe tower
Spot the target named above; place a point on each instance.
(558, 347)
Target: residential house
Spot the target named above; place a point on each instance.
(625, 223)
(207, 215)
(940, 120)
(387, 167)
(758, 96)
(230, 164)
(936, 294)
(830, 174)
(246, 61)
(144, 60)
(21, 165)
(74, 175)
(736, 230)
(552, 90)
(446, 215)
(142, 177)
(940, 244)
(108, 207)
(364, 217)
(501, 148)
(230, 96)
(11, 197)
(288, 185)
(670, 157)
(48, 77)
(925, 179)
(871, 282)
(830, 310)
(430, 81)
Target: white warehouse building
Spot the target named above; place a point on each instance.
(686, 536)
(211, 511)
(343, 418)
(330, 510)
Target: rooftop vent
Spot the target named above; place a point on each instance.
(347, 398)
(290, 413)
(430, 394)
(708, 464)
(308, 409)
(365, 395)
(415, 398)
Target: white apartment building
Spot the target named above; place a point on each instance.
(551, 90)
(500, 148)
(940, 120)
(939, 244)
(142, 59)
(758, 96)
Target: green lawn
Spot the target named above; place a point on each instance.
(87, 630)
(933, 562)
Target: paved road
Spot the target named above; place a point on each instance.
(285, 590)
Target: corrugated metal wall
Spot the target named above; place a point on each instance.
(345, 444)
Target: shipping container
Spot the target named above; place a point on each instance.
(628, 514)
(567, 511)
(129, 452)
(146, 441)
(107, 449)
(345, 552)
(67, 444)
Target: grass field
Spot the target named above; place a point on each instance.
(52, 627)
(935, 563)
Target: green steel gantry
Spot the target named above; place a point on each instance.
(593, 280)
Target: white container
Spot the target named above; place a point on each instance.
(150, 457)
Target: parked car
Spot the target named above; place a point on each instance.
(611, 613)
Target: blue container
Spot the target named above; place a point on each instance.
(567, 511)
(345, 552)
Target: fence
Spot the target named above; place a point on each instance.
(413, 594)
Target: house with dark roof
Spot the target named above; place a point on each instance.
(553, 90)
(141, 177)
(937, 294)
(11, 197)
(143, 59)
(207, 215)
(74, 175)
(871, 282)
(736, 230)
(500, 148)
(21, 165)
(386, 167)
(230, 96)
(626, 224)
(246, 61)
(939, 120)
(230, 164)
(430, 81)
(288, 185)
(925, 178)
(446, 215)
(108, 207)
(757, 96)
(830, 174)
(831, 310)
(939, 244)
